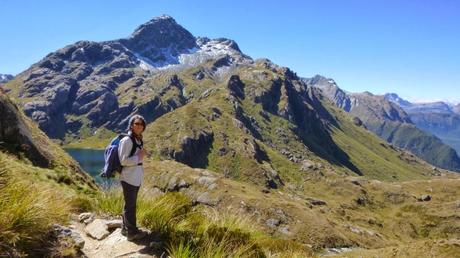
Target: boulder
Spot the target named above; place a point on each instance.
(307, 165)
(206, 199)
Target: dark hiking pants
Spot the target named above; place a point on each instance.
(129, 209)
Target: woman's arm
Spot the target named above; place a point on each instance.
(124, 150)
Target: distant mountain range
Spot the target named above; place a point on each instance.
(386, 117)
(439, 118)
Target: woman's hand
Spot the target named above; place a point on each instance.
(142, 154)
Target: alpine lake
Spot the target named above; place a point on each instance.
(92, 162)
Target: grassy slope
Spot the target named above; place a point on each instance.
(373, 156)
(32, 198)
(388, 216)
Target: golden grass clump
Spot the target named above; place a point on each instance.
(27, 213)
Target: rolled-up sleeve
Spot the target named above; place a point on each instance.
(123, 153)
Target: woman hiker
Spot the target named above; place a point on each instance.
(132, 175)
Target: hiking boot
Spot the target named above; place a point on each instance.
(136, 236)
(124, 231)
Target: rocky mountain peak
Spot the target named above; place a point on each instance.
(4, 78)
(331, 90)
(320, 80)
(160, 38)
(393, 97)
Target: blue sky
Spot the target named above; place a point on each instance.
(410, 47)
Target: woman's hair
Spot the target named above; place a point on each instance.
(133, 118)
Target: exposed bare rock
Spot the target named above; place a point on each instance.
(97, 229)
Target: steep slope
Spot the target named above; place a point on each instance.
(438, 118)
(390, 122)
(263, 124)
(22, 140)
(39, 185)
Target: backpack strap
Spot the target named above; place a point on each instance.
(133, 140)
(135, 145)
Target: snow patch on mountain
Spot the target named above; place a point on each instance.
(208, 49)
(4, 78)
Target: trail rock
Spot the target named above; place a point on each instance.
(97, 229)
(114, 224)
(86, 217)
(116, 245)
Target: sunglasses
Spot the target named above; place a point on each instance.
(138, 124)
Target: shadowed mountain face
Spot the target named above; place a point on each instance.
(388, 120)
(439, 118)
(207, 104)
(21, 138)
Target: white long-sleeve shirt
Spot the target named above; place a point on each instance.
(131, 173)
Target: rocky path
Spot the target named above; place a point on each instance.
(99, 238)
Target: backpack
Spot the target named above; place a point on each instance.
(112, 160)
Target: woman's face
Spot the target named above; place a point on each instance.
(137, 127)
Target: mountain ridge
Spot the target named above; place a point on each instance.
(439, 118)
(390, 121)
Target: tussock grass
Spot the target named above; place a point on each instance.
(167, 214)
(181, 250)
(187, 230)
(27, 213)
(110, 201)
(230, 220)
